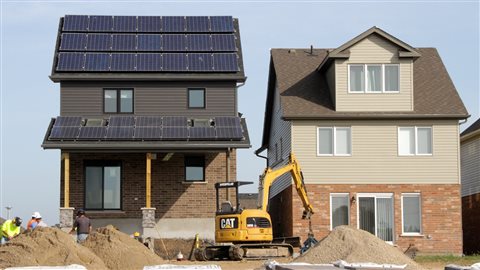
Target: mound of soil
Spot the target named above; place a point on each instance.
(47, 247)
(169, 248)
(353, 245)
(119, 251)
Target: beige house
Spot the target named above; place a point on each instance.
(470, 160)
(374, 124)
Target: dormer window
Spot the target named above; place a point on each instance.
(373, 78)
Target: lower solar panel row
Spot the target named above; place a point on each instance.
(131, 62)
(145, 133)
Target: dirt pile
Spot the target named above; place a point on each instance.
(353, 245)
(47, 247)
(169, 248)
(119, 250)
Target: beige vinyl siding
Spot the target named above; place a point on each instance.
(375, 158)
(470, 166)
(374, 50)
(330, 75)
(154, 98)
(280, 129)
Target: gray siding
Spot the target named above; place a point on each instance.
(280, 135)
(150, 98)
(330, 75)
(470, 165)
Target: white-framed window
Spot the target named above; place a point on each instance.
(411, 214)
(339, 209)
(415, 141)
(334, 141)
(375, 214)
(373, 78)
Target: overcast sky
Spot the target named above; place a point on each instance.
(30, 176)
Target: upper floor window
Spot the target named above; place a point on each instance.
(414, 141)
(334, 141)
(118, 101)
(196, 98)
(373, 78)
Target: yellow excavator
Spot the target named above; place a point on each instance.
(247, 233)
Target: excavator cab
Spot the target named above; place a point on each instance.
(226, 206)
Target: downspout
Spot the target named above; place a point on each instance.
(258, 151)
(236, 97)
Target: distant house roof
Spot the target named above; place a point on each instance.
(471, 131)
(148, 48)
(304, 92)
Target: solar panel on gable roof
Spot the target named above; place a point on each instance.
(197, 24)
(221, 24)
(174, 42)
(70, 61)
(175, 133)
(149, 24)
(173, 24)
(124, 23)
(227, 121)
(68, 121)
(75, 23)
(150, 133)
(199, 43)
(64, 132)
(99, 42)
(149, 121)
(100, 24)
(149, 62)
(225, 62)
(174, 62)
(174, 121)
(92, 133)
(199, 133)
(73, 42)
(121, 121)
(200, 62)
(123, 62)
(120, 133)
(122, 42)
(97, 62)
(149, 42)
(229, 133)
(224, 42)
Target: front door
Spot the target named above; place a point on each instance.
(375, 215)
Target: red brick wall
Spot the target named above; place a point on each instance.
(471, 224)
(171, 196)
(441, 214)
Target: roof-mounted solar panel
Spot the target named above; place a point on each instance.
(173, 24)
(100, 24)
(174, 42)
(197, 24)
(200, 62)
(97, 62)
(225, 62)
(199, 43)
(99, 42)
(148, 133)
(221, 24)
(120, 133)
(64, 133)
(124, 42)
(70, 61)
(75, 23)
(73, 42)
(68, 121)
(121, 121)
(224, 42)
(175, 133)
(174, 62)
(124, 23)
(201, 133)
(149, 62)
(149, 24)
(151, 42)
(149, 121)
(92, 133)
(227, 121)
(123, 62)
(175, 121)
(229, 133)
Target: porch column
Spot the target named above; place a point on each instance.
(148, 213)
(148, 181)
(66, 212)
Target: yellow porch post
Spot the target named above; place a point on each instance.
(148, 180)
(66, 196)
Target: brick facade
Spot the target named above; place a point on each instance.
(441, 214)
(471, 223)
(171, 195)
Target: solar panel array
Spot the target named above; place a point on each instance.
(147, 44)
(71, 128)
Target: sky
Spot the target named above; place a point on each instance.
(30, 176)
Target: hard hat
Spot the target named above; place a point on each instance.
(80, 212)
(18, 221)
(136, 234)
(36, 215)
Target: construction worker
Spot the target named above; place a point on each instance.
(10, 229)
(33, 220)
(82, 225)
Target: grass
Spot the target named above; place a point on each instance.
(449, 259)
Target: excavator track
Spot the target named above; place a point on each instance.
(244, 252)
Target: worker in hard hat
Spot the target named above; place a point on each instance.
(10, 229)
(33, 221)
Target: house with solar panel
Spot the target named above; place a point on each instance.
(148, 119)
(374, 124)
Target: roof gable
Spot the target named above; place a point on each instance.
(472, 130)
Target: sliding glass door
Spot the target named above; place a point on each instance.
(375, 215)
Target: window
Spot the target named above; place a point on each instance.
(196, 98)
(411, 214)
(375, 215)
(194, 168)
(373, 78)
(103, 186)
(118, 101)
(334, 141)
(339, 209)
(414, 141)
